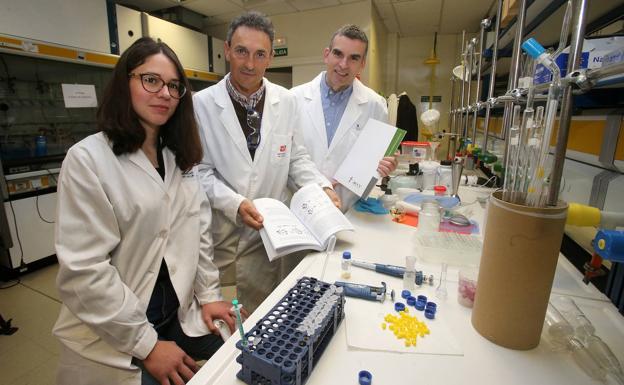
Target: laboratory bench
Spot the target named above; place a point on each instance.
(454, 352)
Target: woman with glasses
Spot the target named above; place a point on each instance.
(139, 287)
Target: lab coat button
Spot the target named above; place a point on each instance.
(163, 234)
(172, 270)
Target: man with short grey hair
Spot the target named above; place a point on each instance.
(335, 106)
(251, 150)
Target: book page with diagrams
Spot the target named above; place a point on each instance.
(309, 223)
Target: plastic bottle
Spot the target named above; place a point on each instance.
(445, 174)
(429, 173)
(409, 277)
(346, 265)
(41, 145)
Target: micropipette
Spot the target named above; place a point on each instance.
(395, 271)
(371, 293)
(239, 321)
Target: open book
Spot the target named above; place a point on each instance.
(309, 223)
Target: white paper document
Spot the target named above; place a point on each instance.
(359, 168)
(79, 95)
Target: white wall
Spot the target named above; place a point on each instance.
(284, 79)
(414, 75)
(391, 68)
(377, 53)
(80, 24)
(306, 72)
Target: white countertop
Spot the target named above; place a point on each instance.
(378, 239)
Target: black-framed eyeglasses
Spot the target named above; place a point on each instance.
(253, 121)
(153, 83)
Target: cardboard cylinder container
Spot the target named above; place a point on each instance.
(520, 251)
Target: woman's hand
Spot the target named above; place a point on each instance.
(169, 364)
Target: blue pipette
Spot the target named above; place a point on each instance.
(371, 293)
(393, 270)
(239, 321)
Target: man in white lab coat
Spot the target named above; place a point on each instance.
(335, 106)
(252, 149)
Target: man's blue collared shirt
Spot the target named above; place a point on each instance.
(334, 105)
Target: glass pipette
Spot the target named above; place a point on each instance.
(526, 129)
(534, 49)
(512, 156)
(533, 149)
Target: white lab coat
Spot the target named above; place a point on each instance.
(228, 175)
(364, 103)
(116, 220)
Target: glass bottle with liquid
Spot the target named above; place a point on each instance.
(346, 265)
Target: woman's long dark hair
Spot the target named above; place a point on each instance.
(118, 120)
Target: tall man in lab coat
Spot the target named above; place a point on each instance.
(335, 106)
(252, 149)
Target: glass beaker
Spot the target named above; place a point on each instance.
(429, 216)
(467, 286)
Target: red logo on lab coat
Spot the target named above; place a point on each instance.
(282, 148)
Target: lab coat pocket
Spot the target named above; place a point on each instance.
(280, 149)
